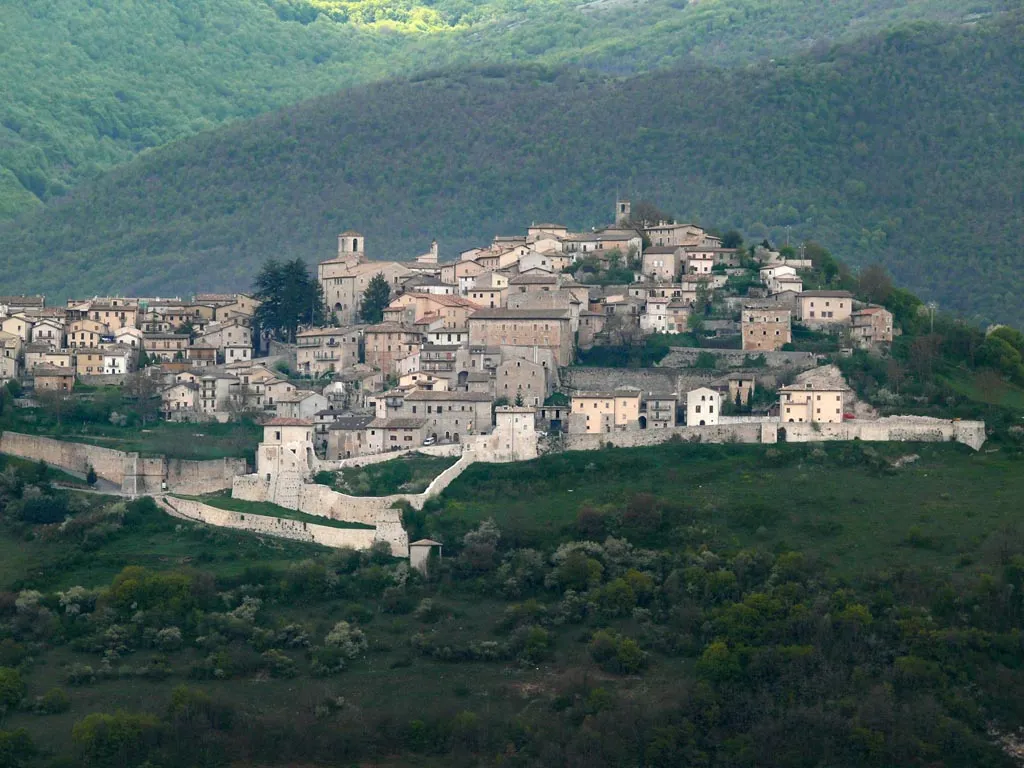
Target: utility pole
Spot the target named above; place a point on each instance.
(932, 306)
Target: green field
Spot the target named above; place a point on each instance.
(843, 503)
(409, 473)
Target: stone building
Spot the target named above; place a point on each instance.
(658, 410)
(326, 350)
(387, 343)
(825, 308)
(765, 328)
(872, 325)
(345, 278)
(448, 415)
(703, 407)
(346, 437)
(810, 402)
(519, 379)
(544, 328)
(602, 412)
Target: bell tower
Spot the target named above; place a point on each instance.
(622, 212)
(352, 245)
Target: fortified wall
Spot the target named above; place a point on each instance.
(134, 474)
(186, 509)
(922, 429)
(283, 478)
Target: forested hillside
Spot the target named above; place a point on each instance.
(85, 86)
(904, 149)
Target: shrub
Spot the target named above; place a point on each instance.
(53, 702)
(328, 661)
(616, 653)
(168, 639)
(12, 689)
(278, 664)
(351, 641)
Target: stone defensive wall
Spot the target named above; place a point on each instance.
(451, 449)
(382, 512)
(135, 475)
(921, 429)
(296, 530)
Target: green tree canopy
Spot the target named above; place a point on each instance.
(289, 296)
(376, 297)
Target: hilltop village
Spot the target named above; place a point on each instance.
(501, 325)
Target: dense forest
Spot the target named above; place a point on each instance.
(903, 149)
(87, 85)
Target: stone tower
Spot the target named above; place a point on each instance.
(622, 212)
(352, 245)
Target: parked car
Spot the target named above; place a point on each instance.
(430, 440)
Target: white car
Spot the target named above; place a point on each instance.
(430, 440)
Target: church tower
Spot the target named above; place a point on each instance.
(352, 245)
(622, 212)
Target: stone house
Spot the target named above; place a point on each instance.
(741, 384)
(394, 434)
(810, 403)
(602, 412)
(165, 347)
(699, 262)
(655, 316)
(872, 325)
(300, 404)
(129, 337)
(591, 324)
(180, 402)
(439, 358)
(424, 380)
(119, 361)
(825, 308)
(765, 328)
(544, 259)
(215, 391)
(661, 263)
(658, 410)
(114, 313)
(346, 437)
(89, 361)
(549, 329)
(676, 235)
(518, 378)
(488, 290)
(703, 407)
(387, 343)
(201, 355)
(86, 333)
(326, 350)
(51, 379)
(452, 311)
(449, 415)
(17, 325)
(48, 331)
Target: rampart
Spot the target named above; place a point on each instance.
(921, 429)
(135, 475)
(356, 538)
(382, 512)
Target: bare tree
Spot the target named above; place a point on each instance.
(142, 390)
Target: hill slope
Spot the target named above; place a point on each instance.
(904, 148)
(85, 86)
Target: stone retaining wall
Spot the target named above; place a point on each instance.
(187, 509)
